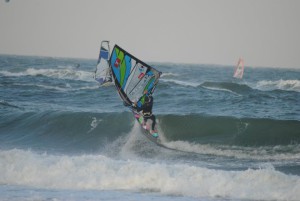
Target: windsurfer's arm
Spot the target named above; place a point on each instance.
(136, 107)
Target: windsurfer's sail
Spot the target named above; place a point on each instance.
(239, 70)
(132, 77)
(102, 73)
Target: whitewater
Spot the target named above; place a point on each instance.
(62, 137)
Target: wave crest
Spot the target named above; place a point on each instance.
(287, 85)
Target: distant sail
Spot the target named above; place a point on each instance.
(132, 77)
(102, 73)
(239, 70)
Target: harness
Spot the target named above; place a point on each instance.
(147, 114)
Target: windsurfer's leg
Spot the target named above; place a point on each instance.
(153, 122)
(145, 121)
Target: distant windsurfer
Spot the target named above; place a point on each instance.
(103, 71)
(146, 109)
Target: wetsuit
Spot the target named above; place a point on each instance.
(146, 109)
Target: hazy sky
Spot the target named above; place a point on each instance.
(263, 32)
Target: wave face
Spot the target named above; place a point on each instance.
(230, 131)
(223, 138)
(87, 129)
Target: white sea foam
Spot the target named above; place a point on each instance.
(169, 75)
(94, 124)
(256, 153)
(66, 73)
(183, 83)
(65, 88)
(26, 168)
(221, 89)
(15, 74)
(288, 85)
(60, 73)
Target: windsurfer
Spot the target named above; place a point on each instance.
(146, 109)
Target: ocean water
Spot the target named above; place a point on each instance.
(64, 138)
